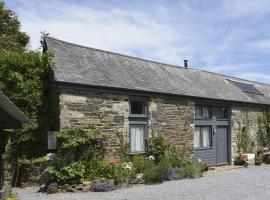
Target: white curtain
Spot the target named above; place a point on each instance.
(137, 139)
(206, 136)
(197, 137)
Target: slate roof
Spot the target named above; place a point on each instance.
(89, 66)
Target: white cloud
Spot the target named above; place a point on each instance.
(230, 37)
(261, 77)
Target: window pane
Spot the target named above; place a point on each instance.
(197, 137)
(52, 140)
(198, 111)
(205, 112)
(206, 136)
(137, 139)
(222, 113)
(137, 107)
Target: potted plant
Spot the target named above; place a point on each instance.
(259, 156)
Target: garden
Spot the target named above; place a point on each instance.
(84, 162)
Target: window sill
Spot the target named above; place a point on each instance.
(135, 153)
(138, 116)
(223, 119)
(199, 118)
(203, 148)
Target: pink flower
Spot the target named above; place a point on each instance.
(112, 160)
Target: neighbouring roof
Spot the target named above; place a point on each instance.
(11, 115)
(84, 65)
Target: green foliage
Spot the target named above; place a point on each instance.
(156, 174)
(24, 78)
(82, 148)
(157, 148)
(263, 133)
(11, 38)
(71, 172)
(140, 164)
(192, 169)
(243, 139)
(122, 151)
(177, 158)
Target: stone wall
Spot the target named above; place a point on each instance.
(172, 118)
(101, 109)
(240, 116)
(7, 167)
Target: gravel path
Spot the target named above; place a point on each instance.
(245, 183)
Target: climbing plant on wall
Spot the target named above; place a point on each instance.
(263, 133)
(243, 139)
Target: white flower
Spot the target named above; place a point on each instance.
(151, 158)
(129, 165)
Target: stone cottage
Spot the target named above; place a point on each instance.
(200, 111)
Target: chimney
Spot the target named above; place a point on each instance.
(186, 63)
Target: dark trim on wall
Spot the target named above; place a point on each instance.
(135, 92)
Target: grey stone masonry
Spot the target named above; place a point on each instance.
(241, 116)
(172, 118)
(100, 109)
(7, 178)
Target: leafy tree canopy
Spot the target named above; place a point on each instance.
(11, 38)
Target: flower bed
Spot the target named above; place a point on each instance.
(84, 157)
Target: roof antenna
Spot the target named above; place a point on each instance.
(186, 63)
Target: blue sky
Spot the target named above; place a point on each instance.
(230, 36)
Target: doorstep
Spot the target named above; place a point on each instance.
(222, 168)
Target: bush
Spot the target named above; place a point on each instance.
(140, 164)
(192, 169)
(157, 148)
(156, 174)
(82, 148)
(177, 158)
(74, 172)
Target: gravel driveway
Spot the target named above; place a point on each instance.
(245, 183)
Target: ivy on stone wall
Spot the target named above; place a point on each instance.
(263, 133)
(243, 138)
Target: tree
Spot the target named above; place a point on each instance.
(11, 38)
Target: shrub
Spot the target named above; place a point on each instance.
(156, 174)
(82, 148)
(192, 169)
(177, 158)
(110, 169)
(74, 172)
(157, 148)
(140, 163)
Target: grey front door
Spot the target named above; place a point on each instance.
(222, 145)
